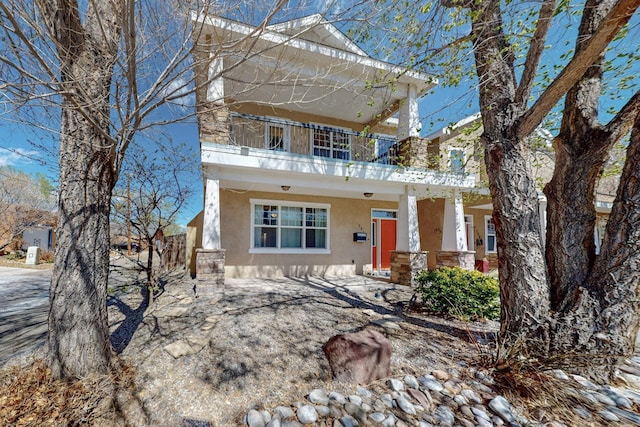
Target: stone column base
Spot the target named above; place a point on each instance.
(405, 266)
(463, 259)
(210, 267)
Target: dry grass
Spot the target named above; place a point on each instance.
(547, 398)
(30, 396)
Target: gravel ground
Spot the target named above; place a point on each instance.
(257, 343)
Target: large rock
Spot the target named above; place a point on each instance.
(360, 357)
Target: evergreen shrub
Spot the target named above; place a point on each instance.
(469, 295)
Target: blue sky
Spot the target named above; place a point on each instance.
(444, 105)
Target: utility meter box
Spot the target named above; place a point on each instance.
(33, 255)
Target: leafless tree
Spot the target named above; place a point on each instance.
(152, 191)
(112, 70)
(565, 306)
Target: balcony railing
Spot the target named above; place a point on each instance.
(312, 140)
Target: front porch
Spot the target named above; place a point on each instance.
(237, 241)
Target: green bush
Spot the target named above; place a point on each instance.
(469, 295)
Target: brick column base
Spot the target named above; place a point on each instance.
(405, 266)
(210, 267)
(463, 259)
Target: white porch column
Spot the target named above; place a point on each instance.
(407, 231)
(409, 119)
(454, 236)
(542, 210)
(211, 222)
(215, 90)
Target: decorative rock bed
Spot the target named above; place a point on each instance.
(444, 399)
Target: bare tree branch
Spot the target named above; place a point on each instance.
(535, 52)
(621, 123)
(616, 19)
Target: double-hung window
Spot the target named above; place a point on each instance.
(490, 235)
(289, 227)
(331, 143)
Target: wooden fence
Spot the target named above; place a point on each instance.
(174, 252)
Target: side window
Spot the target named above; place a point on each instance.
(456, 160)
(490, 235)
(282, 227)
(331, 143)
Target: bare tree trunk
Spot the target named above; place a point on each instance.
(603, 324)
(580, 153)
(595, 298)
(585, 310)
(150, 277)
(523, 281)
(78, 341)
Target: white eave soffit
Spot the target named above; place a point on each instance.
(422, 81)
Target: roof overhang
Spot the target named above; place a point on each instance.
(286, 71)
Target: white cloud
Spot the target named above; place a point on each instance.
(179, 93)
(16, 156)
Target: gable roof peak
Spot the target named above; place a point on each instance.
(316, 28)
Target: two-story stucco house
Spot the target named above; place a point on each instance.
(312, 159)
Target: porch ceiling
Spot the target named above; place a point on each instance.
(271, 68)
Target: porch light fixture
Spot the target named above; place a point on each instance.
(368, 195)
(285, 187)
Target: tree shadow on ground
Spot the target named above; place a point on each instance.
(121, 337)
(399, 309)
(263, 338)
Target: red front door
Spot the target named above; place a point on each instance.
(383, 241)
(387, 242)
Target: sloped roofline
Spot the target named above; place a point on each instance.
(448, 130)
(317, 21)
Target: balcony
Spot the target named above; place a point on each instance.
(310, 139)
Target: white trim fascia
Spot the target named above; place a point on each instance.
(487, 207)
(317, 21)
(294, 203)
(421, 80)
(447, 130)
(252, 158)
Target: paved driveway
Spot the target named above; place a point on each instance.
(24, 302)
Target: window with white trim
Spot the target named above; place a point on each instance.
(331, 143)
(289, 227)
(490, 235)
(456, 160)
(468, 227)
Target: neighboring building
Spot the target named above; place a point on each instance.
(42, 237)
(312, 160)
(457, 147)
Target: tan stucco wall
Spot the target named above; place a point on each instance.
(346, 258)
(194, 240)
(430, 216)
